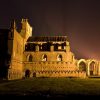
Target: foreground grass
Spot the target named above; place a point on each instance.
(51, 87)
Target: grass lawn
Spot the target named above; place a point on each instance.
(51, 87)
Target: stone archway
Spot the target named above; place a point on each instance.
(27, 73)
(92, 68)
(82, 66)
(34, 74)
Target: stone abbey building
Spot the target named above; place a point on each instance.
(24, 55)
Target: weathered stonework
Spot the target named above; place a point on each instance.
(31, 56)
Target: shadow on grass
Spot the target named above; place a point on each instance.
(48, 96)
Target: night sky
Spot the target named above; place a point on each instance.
(78, 19)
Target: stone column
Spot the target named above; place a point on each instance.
(37, 48)
(94, 70)
(88, 70)
(98, 68)
(67, 46)
(52, 48)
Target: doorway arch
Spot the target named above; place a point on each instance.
(92, 68)
(27, 73)
(34, 74)
(82, 66)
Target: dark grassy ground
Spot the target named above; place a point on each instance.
(51, 87)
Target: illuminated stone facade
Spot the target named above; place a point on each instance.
(31, 56)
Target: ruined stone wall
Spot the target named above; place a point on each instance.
(51, 56)
(15, 70)
(51, 67)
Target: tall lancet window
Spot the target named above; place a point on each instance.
(44, 57)
(30, 58)
(59, 58)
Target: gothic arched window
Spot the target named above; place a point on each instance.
(59, 58)
(30, 58)
(92, 68)
(82, 66)
(44, 57)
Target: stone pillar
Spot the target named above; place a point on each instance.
(98, 68)
(67, 46)
(94, 70)
(52, 48)
(37, 48)
(88, 70)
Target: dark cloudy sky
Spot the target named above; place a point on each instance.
(78, 19)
